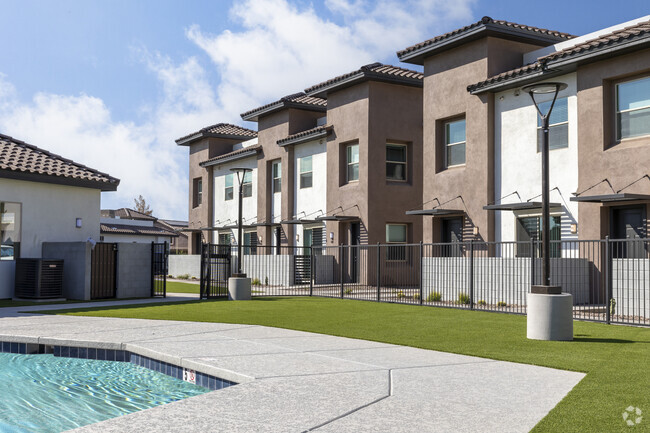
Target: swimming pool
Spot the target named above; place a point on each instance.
(44, 393)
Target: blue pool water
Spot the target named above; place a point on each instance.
(43, 393)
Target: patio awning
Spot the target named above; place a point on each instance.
(610, 198)
(264, 224)
(436, 212)
(519, 206)
(340, 218)
(298, 221)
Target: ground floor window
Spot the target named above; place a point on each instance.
(250, 243)
(224, 243)
(10, 218)
(396, 235)
(530, 229)
(313, 237)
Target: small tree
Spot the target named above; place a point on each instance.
(142, 206)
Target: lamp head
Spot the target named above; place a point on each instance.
(544, 88)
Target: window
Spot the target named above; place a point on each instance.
(530, 229)
(10, 214)
(558, 131)
(305, 172)
(276, 173)
(278, 240)
(396, 161)
(224, 243)
(197, 186)
(633, 108)
(247, 185)
(250, 243)
(313, 237)
(396, 234)
(229, 190)
(455, 143)
(352, 162)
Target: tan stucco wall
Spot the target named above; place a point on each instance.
(599, 154)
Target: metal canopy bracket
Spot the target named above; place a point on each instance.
(610, 198)
(519, 206)
(436, 212)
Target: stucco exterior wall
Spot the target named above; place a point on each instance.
(76, 266)
(185, 265)
(517, 163)
(310, 201)
(133, 270)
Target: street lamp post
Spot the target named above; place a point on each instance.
(549, 311)
(241, 175)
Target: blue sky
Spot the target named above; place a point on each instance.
(111, 84)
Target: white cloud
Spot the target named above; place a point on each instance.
(280, 49)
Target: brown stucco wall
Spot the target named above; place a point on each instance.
(446, 77)
(599, 154)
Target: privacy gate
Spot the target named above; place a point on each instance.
(215, 270)
(103, 261)
(159, 267)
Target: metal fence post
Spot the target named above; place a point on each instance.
(202, 273)
(608, 280)
(532, 261)
(421, 271)
(311, 271)
(341, 263)
(166, 269)
(471, 274)
(378, 272)
(153, 279)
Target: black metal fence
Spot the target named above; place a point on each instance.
(609, 279)
(159, 269)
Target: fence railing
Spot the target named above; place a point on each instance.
(609, 279)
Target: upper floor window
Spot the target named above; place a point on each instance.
(396, 235)
(247, 185)
(228, 194)
(633, 108)
(352, 162)
(558, 131)
(10, 230)
(276, 173)
(395, 161)
(197, 186)
(455, 143)
(305, 172)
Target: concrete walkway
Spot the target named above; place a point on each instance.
(291, 381)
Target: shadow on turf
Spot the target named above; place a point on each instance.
(604, 340)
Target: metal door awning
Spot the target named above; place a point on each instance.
(527, 205)
(340, 218)
(299, 221)
(610, 198)
(436, 212)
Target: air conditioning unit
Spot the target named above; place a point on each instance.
(39, 278)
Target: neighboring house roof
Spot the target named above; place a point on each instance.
(238, 154)
(618, 42)
(19, 160)
(126, 213)
(485, 27)
(126, 229)
(305, 136)
(175, 223)
(219, 130)
(373, 71)
(297, 100)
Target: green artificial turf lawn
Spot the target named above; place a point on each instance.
(178, 287)
(615, 358)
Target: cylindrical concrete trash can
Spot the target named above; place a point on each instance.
(550, 317)
(239, 289)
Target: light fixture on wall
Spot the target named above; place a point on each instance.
(78, 223)
(260, 238)
(332, 236)
(297, 238)
(574, 228)
(475, 230)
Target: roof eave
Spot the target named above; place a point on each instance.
(254, 116)
(237, 157)
(360, 77)
(299, 140)
(201, 135)
(60, 180)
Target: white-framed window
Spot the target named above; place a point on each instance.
(247, 185)
(633, 108)
(352, 162)
(228, 192)
(396, 239)
(276, 174)
(455, 141)
(250, 243)
(529, 228)
(558, 125)
(306, 174)
(10, 221)
(396, 165)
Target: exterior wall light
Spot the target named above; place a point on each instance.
(78, 223)
(574, 228)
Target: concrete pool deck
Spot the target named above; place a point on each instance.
(292, 381)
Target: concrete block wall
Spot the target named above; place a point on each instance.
(278, 269)
(631, 287)
(498, 279)
(76, 266)
(133, 270)
(185, 265)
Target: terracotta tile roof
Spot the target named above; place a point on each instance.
(20, 160)
(219, 130)
(232, 156)
(373, 71)
(307, 135)
(126, 213)
(296, 100)
(126, 229)
(636, 33)
(495, 25)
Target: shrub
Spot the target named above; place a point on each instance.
(612, 306)
(416, 296)
(502, 304)
(256, 282)
(184, 277)
(434, 297)
(266, 281)
(463, 298)
(347, 291)
(481, 302)
(400, 294)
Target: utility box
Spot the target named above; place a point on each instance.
(39, 278)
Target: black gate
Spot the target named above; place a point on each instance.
(103, 260)
(215, 270)
(302, 269)
(159, 269)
